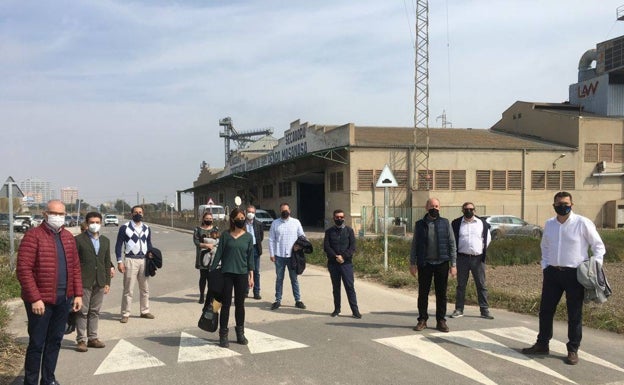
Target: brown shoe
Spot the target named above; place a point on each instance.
(441, 326)
(421, 325)
(95, 343)
(147, 315)
(572, 358)
(124, 320)
(81, 347)
(536, 349)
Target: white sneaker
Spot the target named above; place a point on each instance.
(457, 314)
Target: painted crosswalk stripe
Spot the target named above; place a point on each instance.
(485, 344)
(423, 348)
(527, 336)
(126, 356)
(260, 342)
(193, 348)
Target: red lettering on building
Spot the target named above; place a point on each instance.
(587, 90)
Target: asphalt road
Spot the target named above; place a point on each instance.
(293, 346)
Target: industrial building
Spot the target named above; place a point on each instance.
(515, 167)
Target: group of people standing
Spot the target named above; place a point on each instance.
(60, 273)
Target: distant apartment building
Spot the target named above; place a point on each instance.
(37, 191)
(69, 194)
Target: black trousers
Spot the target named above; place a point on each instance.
(240, 284)
(439, 274)
(555, 283)
(465, 265)
(344, 272)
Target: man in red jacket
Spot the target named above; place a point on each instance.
(48, 269)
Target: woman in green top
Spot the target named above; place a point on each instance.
(235, 253)
(203, 230)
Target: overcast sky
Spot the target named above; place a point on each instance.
(124, 97)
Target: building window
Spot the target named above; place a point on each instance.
(483, 179)
(499, 180)
(221, 198)
(605, 152)
(458, 179)
(267, 191)
(401, 177)
(285, 189)
(365, 179)
(514, 180)
(618, 153)
(553, 180)
(568, 180)
(442, 179)
(538, 180)
(425, 179)
(591, 152)
(336, 181)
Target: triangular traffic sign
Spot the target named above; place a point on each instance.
(210, 202)
(386, 179)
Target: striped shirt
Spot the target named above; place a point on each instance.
(282, 236)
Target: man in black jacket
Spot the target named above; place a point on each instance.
(339, 245)
(254, 227)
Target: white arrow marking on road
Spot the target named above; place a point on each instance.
(428, 350)
(480, 342)
(126, 356)
(527, 336)
(262, 342)
(198, 349)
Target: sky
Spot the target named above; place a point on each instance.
(122, 98)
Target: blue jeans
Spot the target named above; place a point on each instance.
(45, 334)
(282, 264)
(256, 288)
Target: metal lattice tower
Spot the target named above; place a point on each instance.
(230, 133)
(421, 93)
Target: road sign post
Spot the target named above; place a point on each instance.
(386, 180)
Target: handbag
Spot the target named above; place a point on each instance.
(209, 319)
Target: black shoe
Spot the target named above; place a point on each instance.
(536, 349)
(572, 358)
(335, 313)
(300, 305)
(275, 306)
(257, 296)
(201, 299)
(486, 314)
(357, 315)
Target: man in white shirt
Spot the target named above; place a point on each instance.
(472, 235)
(565, 242)
(282, 236)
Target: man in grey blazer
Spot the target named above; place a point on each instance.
(97, 269)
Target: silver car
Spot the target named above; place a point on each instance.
(509, 226)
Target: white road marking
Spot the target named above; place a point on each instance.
(423, 348)
(482, 343)
(193, 348)
(262, 342)
(527, 336)
(126, 356)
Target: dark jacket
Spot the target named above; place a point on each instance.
(486, 227)
(197, 239)
(153, 263)
(37, 264)
(259, 234)
(339, 241)
(95, 268)
(297, 260)
(447, 250)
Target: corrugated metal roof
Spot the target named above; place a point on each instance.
(451, 138)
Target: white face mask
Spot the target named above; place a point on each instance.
(56, 221)
(251, 216)
(94, 228)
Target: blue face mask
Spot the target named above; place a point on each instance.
(563, 209)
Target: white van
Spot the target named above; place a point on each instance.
(218, 212)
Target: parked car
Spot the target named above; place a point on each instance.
(110, 219)
(70, 221)
(264, 217)
(22, 222)
(508, 226)
(37, 219)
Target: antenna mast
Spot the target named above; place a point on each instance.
(421, 94)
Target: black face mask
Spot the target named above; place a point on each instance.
(207, 223)
(434, 213)
(339, 222)
(563, 210)
(240, 223)
(137, 217)
(285, 214)
(469, 213)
